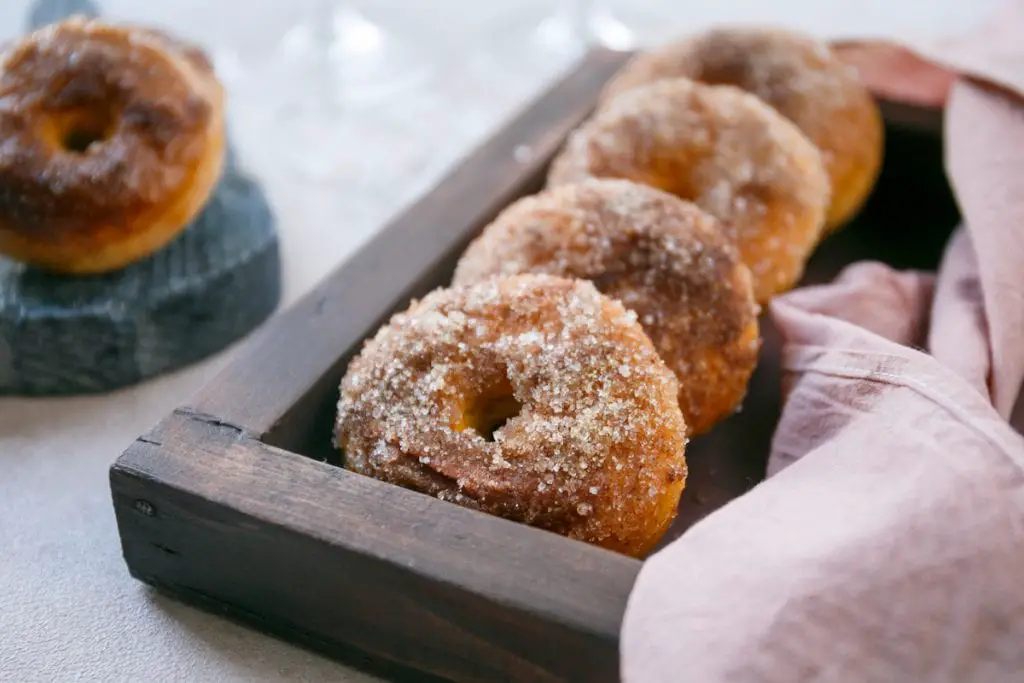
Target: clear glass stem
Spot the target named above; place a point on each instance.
(324, 37)
(594, 23)
(580, 14)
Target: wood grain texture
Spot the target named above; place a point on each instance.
(326, 555)
(225, 504)
(413, 254)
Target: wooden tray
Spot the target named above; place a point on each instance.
(234, 502)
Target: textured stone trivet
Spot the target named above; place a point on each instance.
(207, 289)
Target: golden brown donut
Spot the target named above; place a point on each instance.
(111, 140)
(725, 150)
(662, 257)
(800, 77)
(593, 446)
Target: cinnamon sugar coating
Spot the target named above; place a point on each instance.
(593, 446)
(662, 257)
(799, 76)
(110, 137)
(725, 150)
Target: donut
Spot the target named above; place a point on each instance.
(111, 141)
(723, 149)
(801, 78)
(663, 258)
(531, 397)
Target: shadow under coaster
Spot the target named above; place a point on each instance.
(207, 289)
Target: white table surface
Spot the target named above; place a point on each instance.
(68, 609)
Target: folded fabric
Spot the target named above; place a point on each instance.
(887, 540)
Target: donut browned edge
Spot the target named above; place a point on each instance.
(111, 141)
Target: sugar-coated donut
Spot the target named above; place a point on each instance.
(800, 77)
(725, 150)
(662, 257)
(594, 443)
(111, 140)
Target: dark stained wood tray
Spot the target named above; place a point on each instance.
(235, 502)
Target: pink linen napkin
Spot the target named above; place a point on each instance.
(887, 543)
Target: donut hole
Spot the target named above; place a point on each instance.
(81, 130)
(493, 413)
(672, 175)
(489, 411)
(79, 140)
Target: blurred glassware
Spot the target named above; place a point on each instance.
(532, 42)
(577, 25)
(328, 68)
(360, 59)
(307, 80)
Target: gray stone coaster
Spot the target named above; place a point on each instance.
(210, 287)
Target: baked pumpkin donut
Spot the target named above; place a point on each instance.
(725, 150)
(111, 140)
(662, 257)
(534, 398)
(800, 77)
